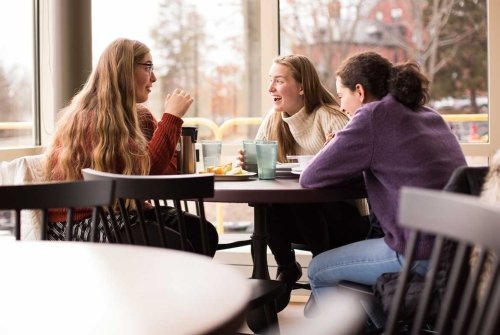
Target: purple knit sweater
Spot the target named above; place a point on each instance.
(393, 146)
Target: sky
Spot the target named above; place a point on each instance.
(15, 33)
(136, 23)
(137, 17)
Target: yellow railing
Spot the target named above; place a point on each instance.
(465, 117)
(16, 125)
(219, 130)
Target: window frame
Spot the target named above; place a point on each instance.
(45, 116)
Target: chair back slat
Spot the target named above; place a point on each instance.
(141, 221)
(491, 318)
(181, 223)
(123, 214)
(162, 223)
(454, 282)
(469, 297)
(45, 223)
(69, 224)
(425, 298)
(401, 288)
(480, 310)
(17, 224)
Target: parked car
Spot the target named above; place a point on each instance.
(460, 105)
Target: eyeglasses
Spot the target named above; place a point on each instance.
(149, 67)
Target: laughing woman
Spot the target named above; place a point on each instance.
(303, 118)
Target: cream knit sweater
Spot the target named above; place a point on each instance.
(308, 130)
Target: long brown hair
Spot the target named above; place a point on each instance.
(100, 128)
(315, 96)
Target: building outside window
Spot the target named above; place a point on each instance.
(449, 41)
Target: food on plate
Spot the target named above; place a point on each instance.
(226, 169)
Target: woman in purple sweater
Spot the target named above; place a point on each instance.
(394, 141)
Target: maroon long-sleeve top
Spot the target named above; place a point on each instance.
(162, 139)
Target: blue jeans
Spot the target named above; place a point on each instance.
(361, 262)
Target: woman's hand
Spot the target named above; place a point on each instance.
(329, 137)
(177, 103)
(240, 159)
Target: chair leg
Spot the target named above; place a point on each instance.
(262, 318)
(272, 317)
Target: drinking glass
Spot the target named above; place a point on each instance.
(250, 153)
(267, 155)
(211, 151)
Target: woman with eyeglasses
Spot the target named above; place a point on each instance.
(106, 128)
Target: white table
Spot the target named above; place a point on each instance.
(87, 288)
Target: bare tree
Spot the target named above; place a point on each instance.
(439, 34)
(5, 99)
(178, 37)
(323, 30)
(15, 95)
(464, 45)
(190, 39)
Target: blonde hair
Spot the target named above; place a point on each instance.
(315, 96)
(100, 127)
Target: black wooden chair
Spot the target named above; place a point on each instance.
(470, 300)
(57, 195)
(134, 194)
(177, 188)
(465, 180)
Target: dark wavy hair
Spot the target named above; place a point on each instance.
(378, 76)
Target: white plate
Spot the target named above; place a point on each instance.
(223, 177)
(286, 166)
(297, 170)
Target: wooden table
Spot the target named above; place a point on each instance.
(261, 193)
(87, 288)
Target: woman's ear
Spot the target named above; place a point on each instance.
(301, 91)
(359, 91)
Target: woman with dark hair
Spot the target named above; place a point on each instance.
(394, 141)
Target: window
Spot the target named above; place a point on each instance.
(209, 48)
(204, 47)
(454, 54)
(16, 74)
